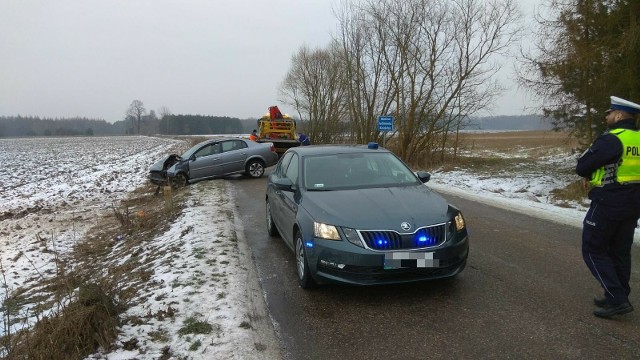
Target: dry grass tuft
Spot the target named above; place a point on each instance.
(77, 330)
(574, 192)
(194, 326)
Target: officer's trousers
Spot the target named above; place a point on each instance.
(607, 238)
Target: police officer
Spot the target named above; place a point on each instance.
(612, 165)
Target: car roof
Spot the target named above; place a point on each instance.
(217, 139)
(334, 149)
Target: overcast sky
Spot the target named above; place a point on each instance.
(91, 58)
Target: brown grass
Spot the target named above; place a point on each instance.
(507, 141)
(510, 152)
(575, 191)
(494, 151)
(99, 290)
(75, 331)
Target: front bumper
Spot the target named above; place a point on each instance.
(343, 262)
(158, 177)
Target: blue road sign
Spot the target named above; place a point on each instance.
(385, 123)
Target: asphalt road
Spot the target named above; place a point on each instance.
(525, 293)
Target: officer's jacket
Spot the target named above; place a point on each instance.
(607, 150)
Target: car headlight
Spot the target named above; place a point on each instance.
(325, 231)
(459, 222)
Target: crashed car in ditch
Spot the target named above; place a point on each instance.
(214, 158)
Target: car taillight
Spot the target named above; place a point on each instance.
(273, 148)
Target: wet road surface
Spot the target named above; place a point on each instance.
(525, 293)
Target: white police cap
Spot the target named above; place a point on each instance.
(624, 105)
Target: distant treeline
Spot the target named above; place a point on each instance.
(13, 126)
(18, 126)
(199, 124)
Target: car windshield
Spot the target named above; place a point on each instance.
(191, 151)
(355, 170)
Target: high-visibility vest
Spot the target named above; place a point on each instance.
(627, 169)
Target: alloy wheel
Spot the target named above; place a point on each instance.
(256, 169)
(300, 257)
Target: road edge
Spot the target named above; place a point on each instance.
(264, 332)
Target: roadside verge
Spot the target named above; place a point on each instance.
(549, 212)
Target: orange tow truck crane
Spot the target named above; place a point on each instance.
(278, 129)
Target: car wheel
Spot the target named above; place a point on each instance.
(271, 227)
(180, 180)
(304, 276)
(255, 168)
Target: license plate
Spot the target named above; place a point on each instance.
(403, 259)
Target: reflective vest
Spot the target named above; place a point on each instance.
(627, 169)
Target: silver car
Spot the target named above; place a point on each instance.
(214, 158)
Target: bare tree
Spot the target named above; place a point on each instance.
(429, 63)
(135, 112)
(369, 93)
(438, 55)
(164, 113)
(314, 86)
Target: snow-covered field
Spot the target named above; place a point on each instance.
(54, 189)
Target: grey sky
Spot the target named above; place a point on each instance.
(91, 58)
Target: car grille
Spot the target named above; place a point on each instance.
(428, 236)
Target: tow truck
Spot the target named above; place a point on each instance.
(279, 129)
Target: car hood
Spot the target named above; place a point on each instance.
(160, 164)
(377, 208)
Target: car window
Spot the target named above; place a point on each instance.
(292, 169)
(231, 145)
(355, 170)
(282, 165)
(209, 149)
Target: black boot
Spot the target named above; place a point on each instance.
(600, 302)
(610, 309)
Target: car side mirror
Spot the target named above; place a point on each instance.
(423, 176)
(283, 184)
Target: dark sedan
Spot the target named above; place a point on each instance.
(214, 158)
(359, 215)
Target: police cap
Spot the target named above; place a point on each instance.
(623, 105)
